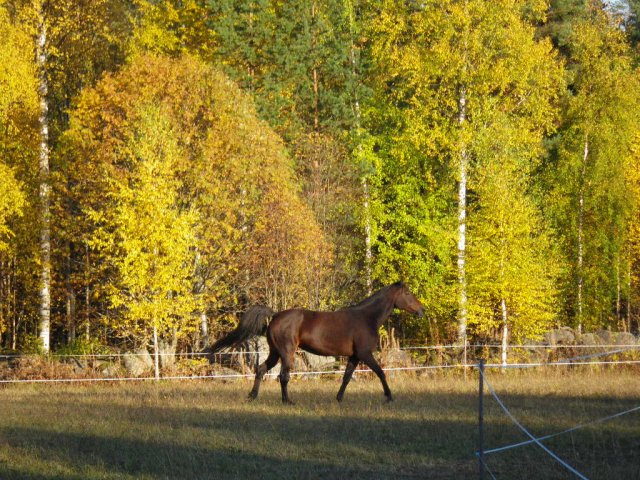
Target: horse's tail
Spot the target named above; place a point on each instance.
(252, 323)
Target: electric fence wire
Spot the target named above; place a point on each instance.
(527, 433)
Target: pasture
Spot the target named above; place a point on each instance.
(207, 430)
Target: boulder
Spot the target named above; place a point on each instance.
(138, 362)
(625, 338)
(394, 357)
(589, 339)
(605, 337)
(315, 363)
(561, 336)
(167, 354)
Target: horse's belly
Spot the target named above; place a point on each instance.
(327, 343)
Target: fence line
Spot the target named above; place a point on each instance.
(623, 347)
(230, 375)
(460, 366)
(537, 440)
(564, 432)
(527, 433)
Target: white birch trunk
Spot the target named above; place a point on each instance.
(462, 224)
(156, 353)
(204, 329)
(505, 332)
(44, 191)
(366, 197)
(368, 255)
(581, 233)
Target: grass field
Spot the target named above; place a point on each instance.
(206, 429)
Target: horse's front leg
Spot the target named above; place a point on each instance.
(370, 362)
(348, 372)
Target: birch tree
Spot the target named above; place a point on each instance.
(232, 169)
(44, 193)
(589, 193)
(149, 239)
(452, 72)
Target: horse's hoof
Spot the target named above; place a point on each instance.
(288, 402)
(339, 399)
(252, 396)
(389, 399)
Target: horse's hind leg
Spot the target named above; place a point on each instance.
(373, 365)
(268, 364)
(348, 372)
(287, 363)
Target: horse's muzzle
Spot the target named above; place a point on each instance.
(420, 312)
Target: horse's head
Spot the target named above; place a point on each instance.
(407, 301)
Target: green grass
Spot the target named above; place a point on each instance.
(206, 429)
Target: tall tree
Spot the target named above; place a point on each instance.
(451, 75)
(44, 182)
(73, 42)
(148, 237)
(233, 172)
(19, 110)
(589, 196)
(300, 60)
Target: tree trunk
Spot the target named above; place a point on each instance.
(45, 190)
(580, 292)
(368, 255)
(87, 295)
(366, 197)
(316, 81)
(505, 331)
(204, 329)
(619, 320)
(156, 353)
(70, 298)
(462, 223)
(629, 293)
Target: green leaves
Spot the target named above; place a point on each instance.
(589, 193)
(511, 83)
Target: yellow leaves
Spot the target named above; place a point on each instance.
(18, 110)
(164, 28)
(12, 201)
(18, 78)
(189, 194)
(149, 240)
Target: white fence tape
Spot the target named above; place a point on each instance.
(408, 348)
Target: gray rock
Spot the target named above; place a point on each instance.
(313, 363)
(561, 336)
(138, 363)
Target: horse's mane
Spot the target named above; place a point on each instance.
(375, 296)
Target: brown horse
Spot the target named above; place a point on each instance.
(351, 332)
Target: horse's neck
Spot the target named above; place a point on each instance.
(379, 310)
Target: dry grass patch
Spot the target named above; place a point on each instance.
(207, 430)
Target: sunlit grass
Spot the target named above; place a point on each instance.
(207, 429)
